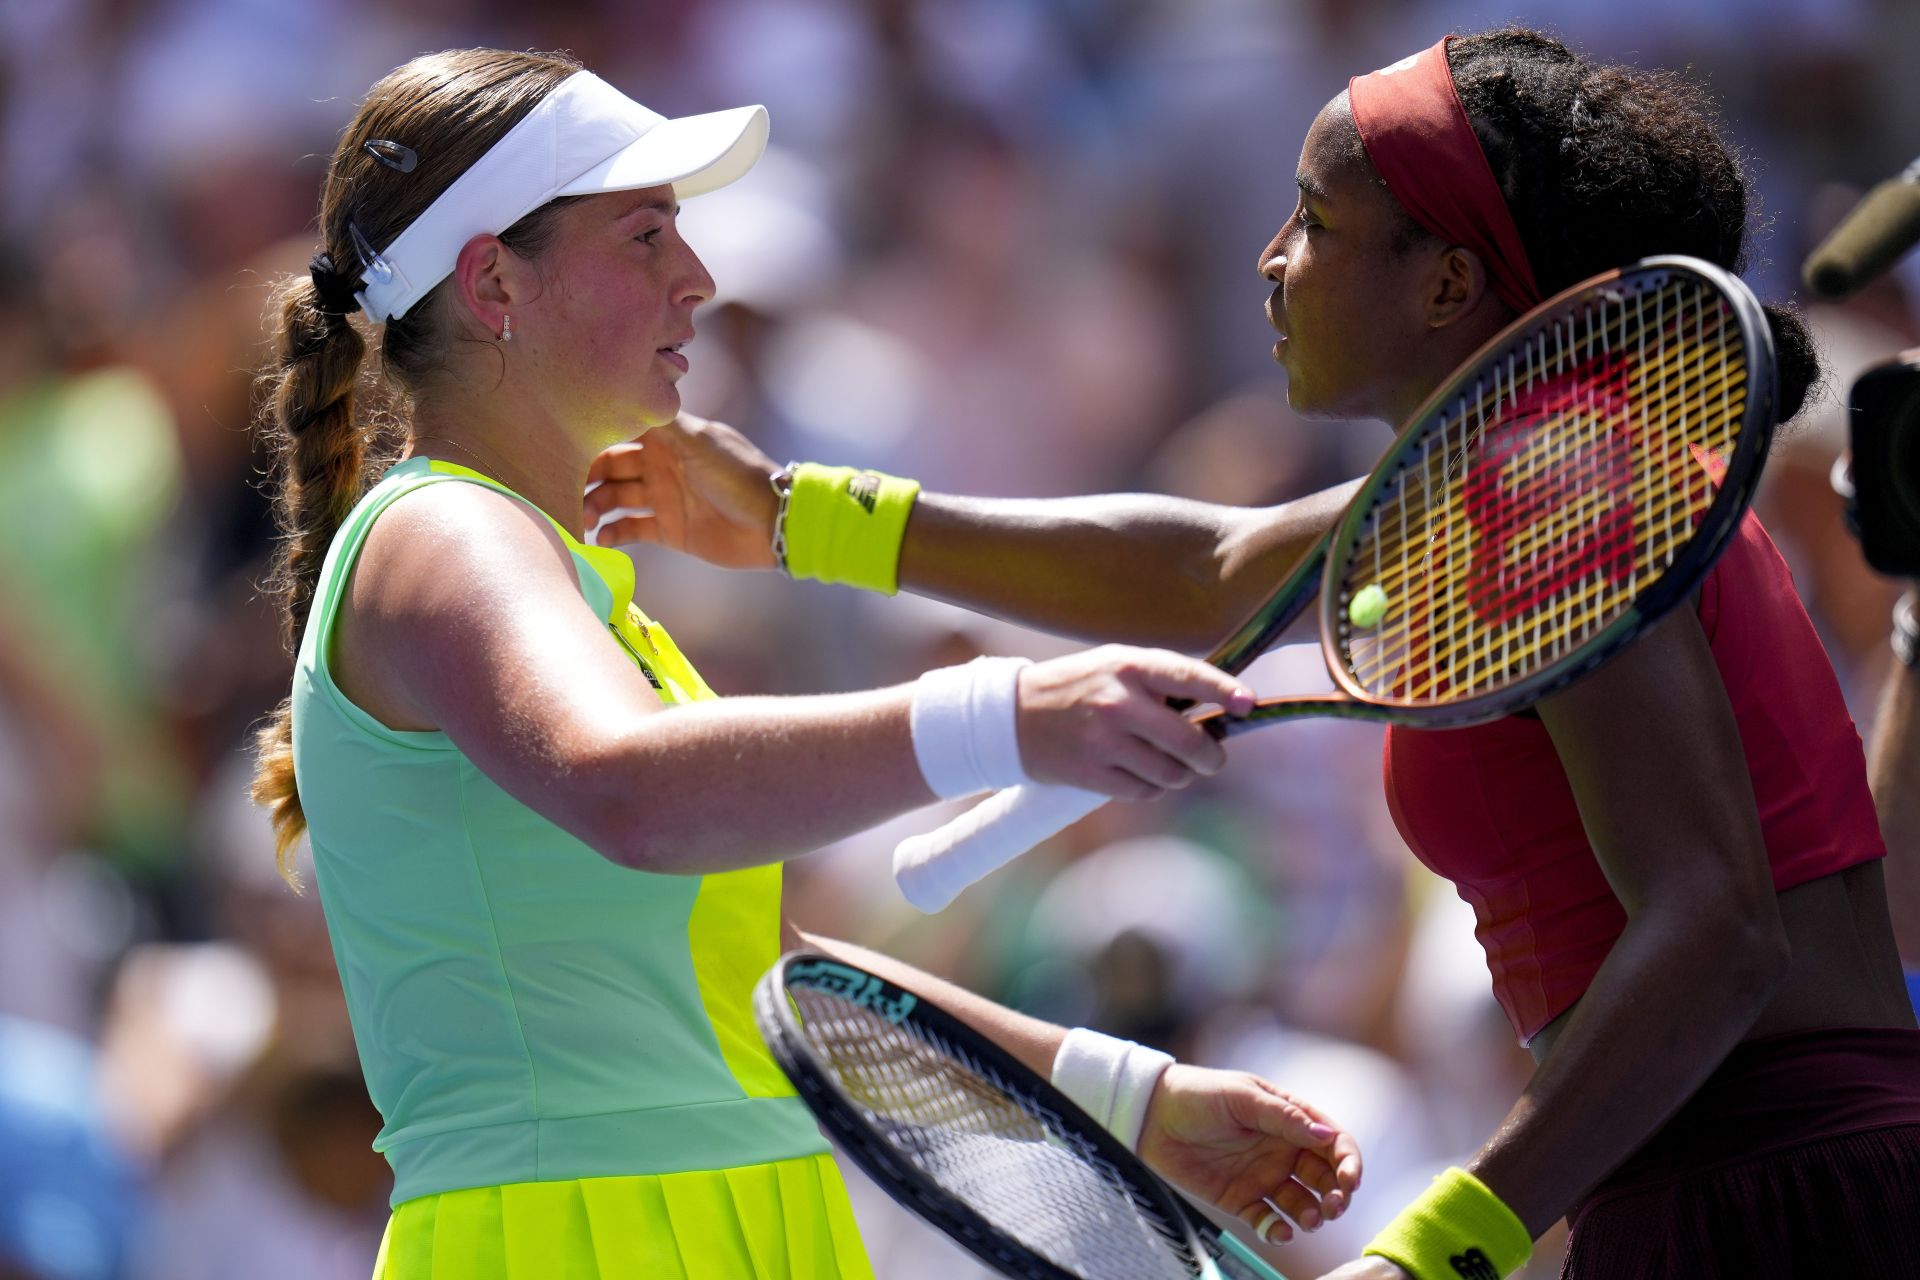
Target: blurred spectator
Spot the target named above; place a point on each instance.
(240, 1061)
(1007, 248)
(68, 1198)
(88, 474)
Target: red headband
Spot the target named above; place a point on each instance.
(1418, 137)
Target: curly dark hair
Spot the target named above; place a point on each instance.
(1603, 165)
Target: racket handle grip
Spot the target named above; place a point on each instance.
(932, 869)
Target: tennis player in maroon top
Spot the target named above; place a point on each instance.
(1674, 862)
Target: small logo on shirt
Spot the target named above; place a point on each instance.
(638, 661)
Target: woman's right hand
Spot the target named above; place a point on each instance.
(1100, 720)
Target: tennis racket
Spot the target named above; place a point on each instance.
(960, 1132)
(1565, 487)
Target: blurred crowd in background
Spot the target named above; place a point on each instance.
(1002, 246)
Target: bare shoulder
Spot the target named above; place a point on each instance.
(442, 570)
(451, 545)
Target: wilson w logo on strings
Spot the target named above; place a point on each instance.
(1548, 495)
(1549, 510)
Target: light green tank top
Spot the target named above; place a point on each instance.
(526, 1010)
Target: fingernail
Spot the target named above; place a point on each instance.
(1266, 1225)
(1310, 1219)
(1324, 1132)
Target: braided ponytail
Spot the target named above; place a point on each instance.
(322, 451)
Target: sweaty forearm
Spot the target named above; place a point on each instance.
(1127, 567)
(740, 782)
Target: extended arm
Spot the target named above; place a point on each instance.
(1128, 567)
(1227, 1137)
(1653, 754)
(464, 616)
(1650, 746)
(1132, 567)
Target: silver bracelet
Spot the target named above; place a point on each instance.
(1906, 630)
(782, 482)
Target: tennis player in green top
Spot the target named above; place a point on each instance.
(549, 896)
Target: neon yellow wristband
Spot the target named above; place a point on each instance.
(1456, 1230)
(843, 525)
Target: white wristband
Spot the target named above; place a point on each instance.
(1110, 1079)
(965, 727)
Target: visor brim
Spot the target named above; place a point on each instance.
(694, 154)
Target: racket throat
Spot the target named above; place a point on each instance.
(1296, 707)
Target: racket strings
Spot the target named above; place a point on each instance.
(1650, 487)
(1534, 511)
(1589, 541)
(992, 1146)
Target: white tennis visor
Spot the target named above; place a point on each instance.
(584, 137)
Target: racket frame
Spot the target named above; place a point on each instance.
(842, 1118)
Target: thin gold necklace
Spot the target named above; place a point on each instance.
(494, 472)
(639, 623)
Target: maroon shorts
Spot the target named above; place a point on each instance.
(1799, 1157)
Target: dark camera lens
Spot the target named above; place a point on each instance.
(1885, 509)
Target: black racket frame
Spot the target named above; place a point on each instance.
(1329, 556)
(841, 1117)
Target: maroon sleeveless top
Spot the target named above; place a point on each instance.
(1490, 808)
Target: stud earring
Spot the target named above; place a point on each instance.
(506, 327)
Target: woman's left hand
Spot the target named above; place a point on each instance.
(693, 485)
(1235, 1141)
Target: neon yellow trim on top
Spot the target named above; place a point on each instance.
(730, 952)
(652, 648)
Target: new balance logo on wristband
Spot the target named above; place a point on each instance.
(865, 489)
(1456, 1205)
(1473, 1265)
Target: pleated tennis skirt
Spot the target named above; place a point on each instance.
(789, 1220)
